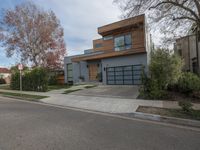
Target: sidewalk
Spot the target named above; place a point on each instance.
(102, 104)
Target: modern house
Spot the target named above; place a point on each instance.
(118, 58)
(188, 48)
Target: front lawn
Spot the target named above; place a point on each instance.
(5, 87)
(178, 113)
(90, 86)
(23, 96)
(70, 91)
(57, 87)
(50, 87)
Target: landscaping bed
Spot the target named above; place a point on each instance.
(178, 113)
(174, 96)
(23, 96)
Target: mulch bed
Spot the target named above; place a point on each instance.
(194, 114)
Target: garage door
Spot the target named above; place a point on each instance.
(124, 75)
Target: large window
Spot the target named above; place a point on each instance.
(123, 42)
(69, 72)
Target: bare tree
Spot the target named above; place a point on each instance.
(173, 18)
(34, 34)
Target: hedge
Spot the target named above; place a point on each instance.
(2, 81)
(34, 80)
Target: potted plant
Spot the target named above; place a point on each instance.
(81, 78)
(99, 77)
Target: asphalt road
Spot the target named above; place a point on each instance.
(27, 126)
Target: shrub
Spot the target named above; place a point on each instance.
(188, 83)
(151, 89)
(52, 80)
(186, 106)
(15, 81)
(34, 80)
(165, 70)
(2, 81)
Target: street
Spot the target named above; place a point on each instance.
(29, 126)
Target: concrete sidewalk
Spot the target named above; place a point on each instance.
(102, 104)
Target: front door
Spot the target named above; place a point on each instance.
(93, 72)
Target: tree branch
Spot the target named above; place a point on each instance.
(197, 5)
(178, 5)
(184, 17)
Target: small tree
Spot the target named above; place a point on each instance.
(166, 68)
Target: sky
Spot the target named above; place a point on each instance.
(79, 18)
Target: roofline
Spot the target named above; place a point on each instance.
(122, 20)
(113, 54)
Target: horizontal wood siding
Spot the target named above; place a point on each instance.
(106, 45)
(138, 40)
(120, 24)
(134, 26)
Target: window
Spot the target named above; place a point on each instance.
(107, 38)
(123, 42)
(69, 72)
(98, 45)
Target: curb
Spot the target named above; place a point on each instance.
(158, 118)
(20, 98)
(135, 115)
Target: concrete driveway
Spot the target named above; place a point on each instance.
(115, 91)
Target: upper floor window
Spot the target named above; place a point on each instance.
(98, 45)
(107, 37)
(123, 42)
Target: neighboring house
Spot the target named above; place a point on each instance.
(5, 73)
(119, 57)
(188, 48)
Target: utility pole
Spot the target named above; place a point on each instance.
(20, 68)
(197, 49)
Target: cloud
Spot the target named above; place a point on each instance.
(79, 18)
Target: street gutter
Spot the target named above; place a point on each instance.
(164, 119)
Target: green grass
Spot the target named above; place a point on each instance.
(70, 91)
(5, 87)
(90, 86)
(57, 87)
(178, 113)
(23, 96)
